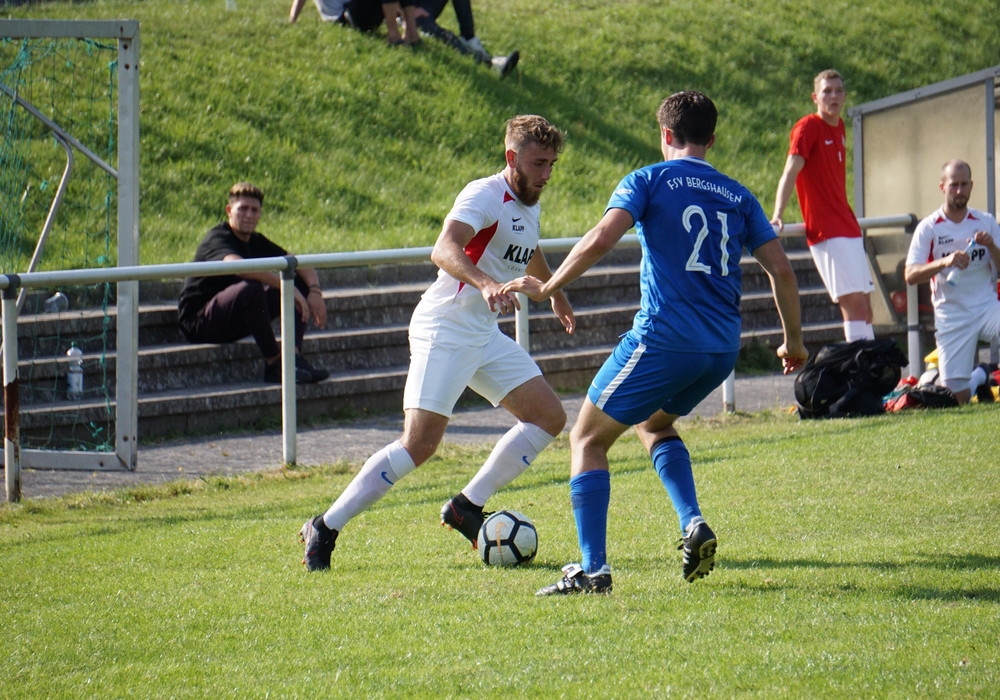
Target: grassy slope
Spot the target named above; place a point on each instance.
(359, 146)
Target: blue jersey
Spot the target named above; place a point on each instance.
(693, 223)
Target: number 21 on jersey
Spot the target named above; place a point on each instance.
(694, 216)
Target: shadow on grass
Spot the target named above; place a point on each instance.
(951, 563)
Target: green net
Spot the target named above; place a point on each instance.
(58, 101)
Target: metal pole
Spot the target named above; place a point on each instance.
(729, 393)
(12, 414)
(913, 332)
(288, 414)
(522, 332)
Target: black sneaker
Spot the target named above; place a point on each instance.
(272, 373)
(984, 392)
(463, 515)
(699, 545)
(319, 541)
(318, 374)
(505, 65)
(574, 580)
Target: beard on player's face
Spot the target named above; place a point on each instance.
(522, 188)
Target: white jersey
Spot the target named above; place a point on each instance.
(506, 236)
(975, 288)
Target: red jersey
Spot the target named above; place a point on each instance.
(821, 182)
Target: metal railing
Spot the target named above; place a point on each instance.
(11, 285)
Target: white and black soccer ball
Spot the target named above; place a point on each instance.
(508, 538)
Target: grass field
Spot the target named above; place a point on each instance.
(858, 558)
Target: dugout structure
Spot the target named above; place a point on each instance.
(900, 144)
(116, 45)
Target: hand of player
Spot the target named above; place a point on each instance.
(530, 286)
(983, 238)
(564, 312)
(778, 224)
(959, 259)
(792, 358)
(498, 299)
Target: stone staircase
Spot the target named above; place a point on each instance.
(189, 389)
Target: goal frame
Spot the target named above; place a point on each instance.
(124, 456)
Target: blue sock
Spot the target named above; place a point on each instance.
(673, 464)
(590, 494)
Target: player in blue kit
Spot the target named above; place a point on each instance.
(693, 223)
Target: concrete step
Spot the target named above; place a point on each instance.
(186, 389)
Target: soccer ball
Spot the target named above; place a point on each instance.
(508, 538)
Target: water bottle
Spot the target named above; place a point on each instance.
(952, 276)
(231, 5)
(55, 303)
(74, 378)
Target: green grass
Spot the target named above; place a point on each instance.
(362, 147)
(857, 558)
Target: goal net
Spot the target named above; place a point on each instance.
(69, 197)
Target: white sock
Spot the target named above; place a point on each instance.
(978, 377)
(858, 330)
(513, 453)
(379, 473)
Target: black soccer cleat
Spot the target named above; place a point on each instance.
(699, 545)
(461, 514)
(575, 580)
(320, 541)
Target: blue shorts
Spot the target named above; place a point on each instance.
(636, 381)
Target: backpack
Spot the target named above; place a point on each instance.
(849, 379)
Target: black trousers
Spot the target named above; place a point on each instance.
(242, 309)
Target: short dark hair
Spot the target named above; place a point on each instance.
(245, 189)
(690, 115)
(525, 129)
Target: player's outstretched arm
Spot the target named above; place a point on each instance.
(785, 289)
(594, 245)
(538, 269)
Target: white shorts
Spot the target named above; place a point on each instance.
(843, 265)
(439, 373)
(956, 344)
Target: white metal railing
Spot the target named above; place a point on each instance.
(10, 284)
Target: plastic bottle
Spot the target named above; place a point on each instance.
(74, 378)
(952, 276)
(55, 303)
(231, 5)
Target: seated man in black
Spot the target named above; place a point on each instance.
(225, 308)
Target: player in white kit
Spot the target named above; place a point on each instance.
(490, 236)
(966, 309)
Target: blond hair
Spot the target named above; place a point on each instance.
(526, 129)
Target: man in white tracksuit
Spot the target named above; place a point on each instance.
(956, 249)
